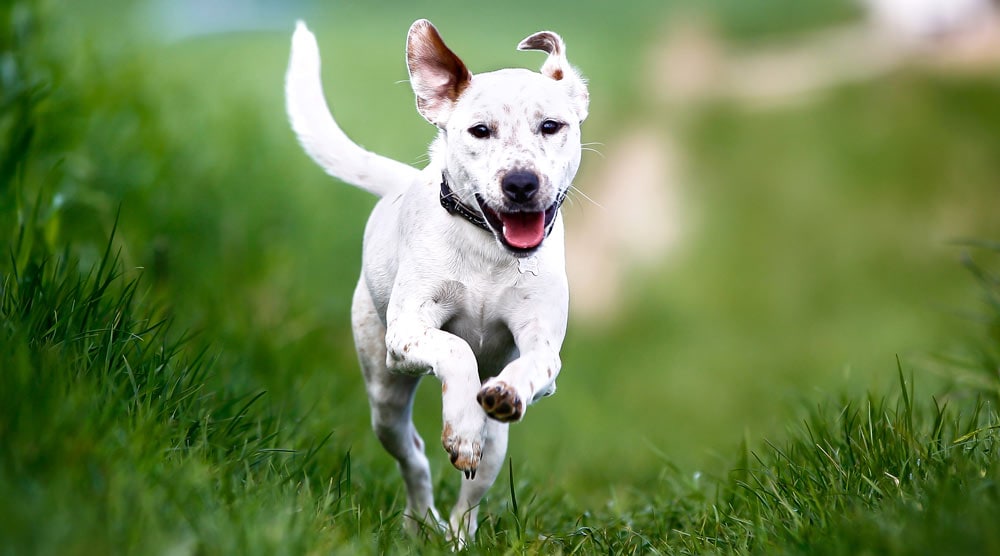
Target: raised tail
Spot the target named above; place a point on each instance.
(319, 133)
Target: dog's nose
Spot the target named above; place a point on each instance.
(520, 186)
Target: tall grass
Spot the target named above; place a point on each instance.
(117, 433)
(880, 475)
(119, 443)
(118, 438)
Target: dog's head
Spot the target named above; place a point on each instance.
(511, 137)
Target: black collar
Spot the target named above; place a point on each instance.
(451, 204)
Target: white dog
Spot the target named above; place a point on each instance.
(463, 268)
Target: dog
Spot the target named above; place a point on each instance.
(463, 266)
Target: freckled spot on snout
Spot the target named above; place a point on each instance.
(444, 387)
(549, 372)
(406, 348)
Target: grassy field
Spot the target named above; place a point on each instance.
(813, 369)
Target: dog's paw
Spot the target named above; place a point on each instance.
(501, 402)
(465, 451)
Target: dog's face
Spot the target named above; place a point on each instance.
(512, 137)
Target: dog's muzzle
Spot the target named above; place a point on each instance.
(520, 231)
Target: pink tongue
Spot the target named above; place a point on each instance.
(523, 230)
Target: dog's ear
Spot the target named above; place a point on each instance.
(557, 67)
(437, 75)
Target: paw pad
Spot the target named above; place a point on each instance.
(501, 402)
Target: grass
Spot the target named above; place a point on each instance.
(176, 373)
(124, 441)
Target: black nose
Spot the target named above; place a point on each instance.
(520, 185)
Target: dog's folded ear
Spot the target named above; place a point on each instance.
(437, 75)
(557, 67)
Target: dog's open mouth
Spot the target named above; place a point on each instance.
(520, 231)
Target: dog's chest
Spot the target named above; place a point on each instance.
(476, 320)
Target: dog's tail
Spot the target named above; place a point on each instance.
(319, 133)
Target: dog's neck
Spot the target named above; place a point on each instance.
(455, 207)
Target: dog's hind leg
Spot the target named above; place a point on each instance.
(463, 516)
(390, 396)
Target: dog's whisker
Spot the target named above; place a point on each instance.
(575, 190)
(589, 147)
(570, 199)
(459, 192)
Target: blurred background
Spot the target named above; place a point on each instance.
(770, 199)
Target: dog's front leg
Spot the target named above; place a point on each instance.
(416, 345)
(506, 396)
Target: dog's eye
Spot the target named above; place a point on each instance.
(480, 131)
(551, 127)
